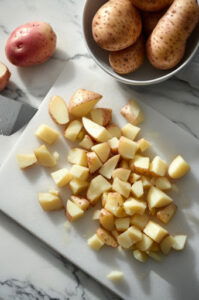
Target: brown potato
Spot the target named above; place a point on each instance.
(128, 60)
(151, 5)
(116, 25)
(150, 20)
(166, 45)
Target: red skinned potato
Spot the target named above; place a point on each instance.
(150, 20)
(166, 44)
(31, 44)
(151, 5)
(116, 25)
(4, 76)
(128, 60)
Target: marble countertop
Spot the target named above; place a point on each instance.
(28, 268)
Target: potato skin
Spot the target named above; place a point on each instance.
(128, 60)
(166, 45)
(151, 5)
(150, 20)
(30, 44)
(116, 25)
(4, 78)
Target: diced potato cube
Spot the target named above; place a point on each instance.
(130, 131)
(114, 130)
(133, 206)
(137, 189)
(158, 166)
(114, 204)
(167, 244)
(106, 219)
(97, 187)
(122, 224)
(135, 234)
(96, 131)
(155, 255)
(79, 172)
(107, 238)
(81, 202)
(146, 182)
(26, 160)
(101, 116)
(44, 157)
(107, 169)
(124, 164)
(145, 244)
(102, 150)
(140, 256)
(61, 177)
(167, 213)
(77, 156)
(72, 131)
(121, 187)
(86, 142)
(104, 198)
(127, 148)
(157, 198)
(115, 275)
(155, 231)
(121, 173)
(77, 186)
(134, 177)
(94, 163)
(140, 221)
(114, 144)
(95, 242)
(58, 110)
(178, 167)
(124, 240)
(141, 164)
(179, 242)
(143, 145)
(47, 134)
(163, 183)
(132, 112)
(73, 211)
(50, 202)
(96, 215)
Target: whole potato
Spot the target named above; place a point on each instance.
(30, 44)
(130, 59)
(116, 25)
(166, 45)
(150, 20)
(151, 5)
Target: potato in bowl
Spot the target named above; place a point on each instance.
(147, 73)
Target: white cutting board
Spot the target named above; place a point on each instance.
(177, 276)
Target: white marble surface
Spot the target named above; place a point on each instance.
(28, 269)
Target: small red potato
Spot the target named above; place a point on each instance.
(128, 60)
(116, 25)
(31, 44)
(151, 5)
(4, 76)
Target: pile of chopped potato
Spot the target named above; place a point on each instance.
(110, 166)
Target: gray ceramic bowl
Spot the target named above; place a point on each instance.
(147, 74)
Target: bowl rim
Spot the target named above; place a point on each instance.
(132, 81)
